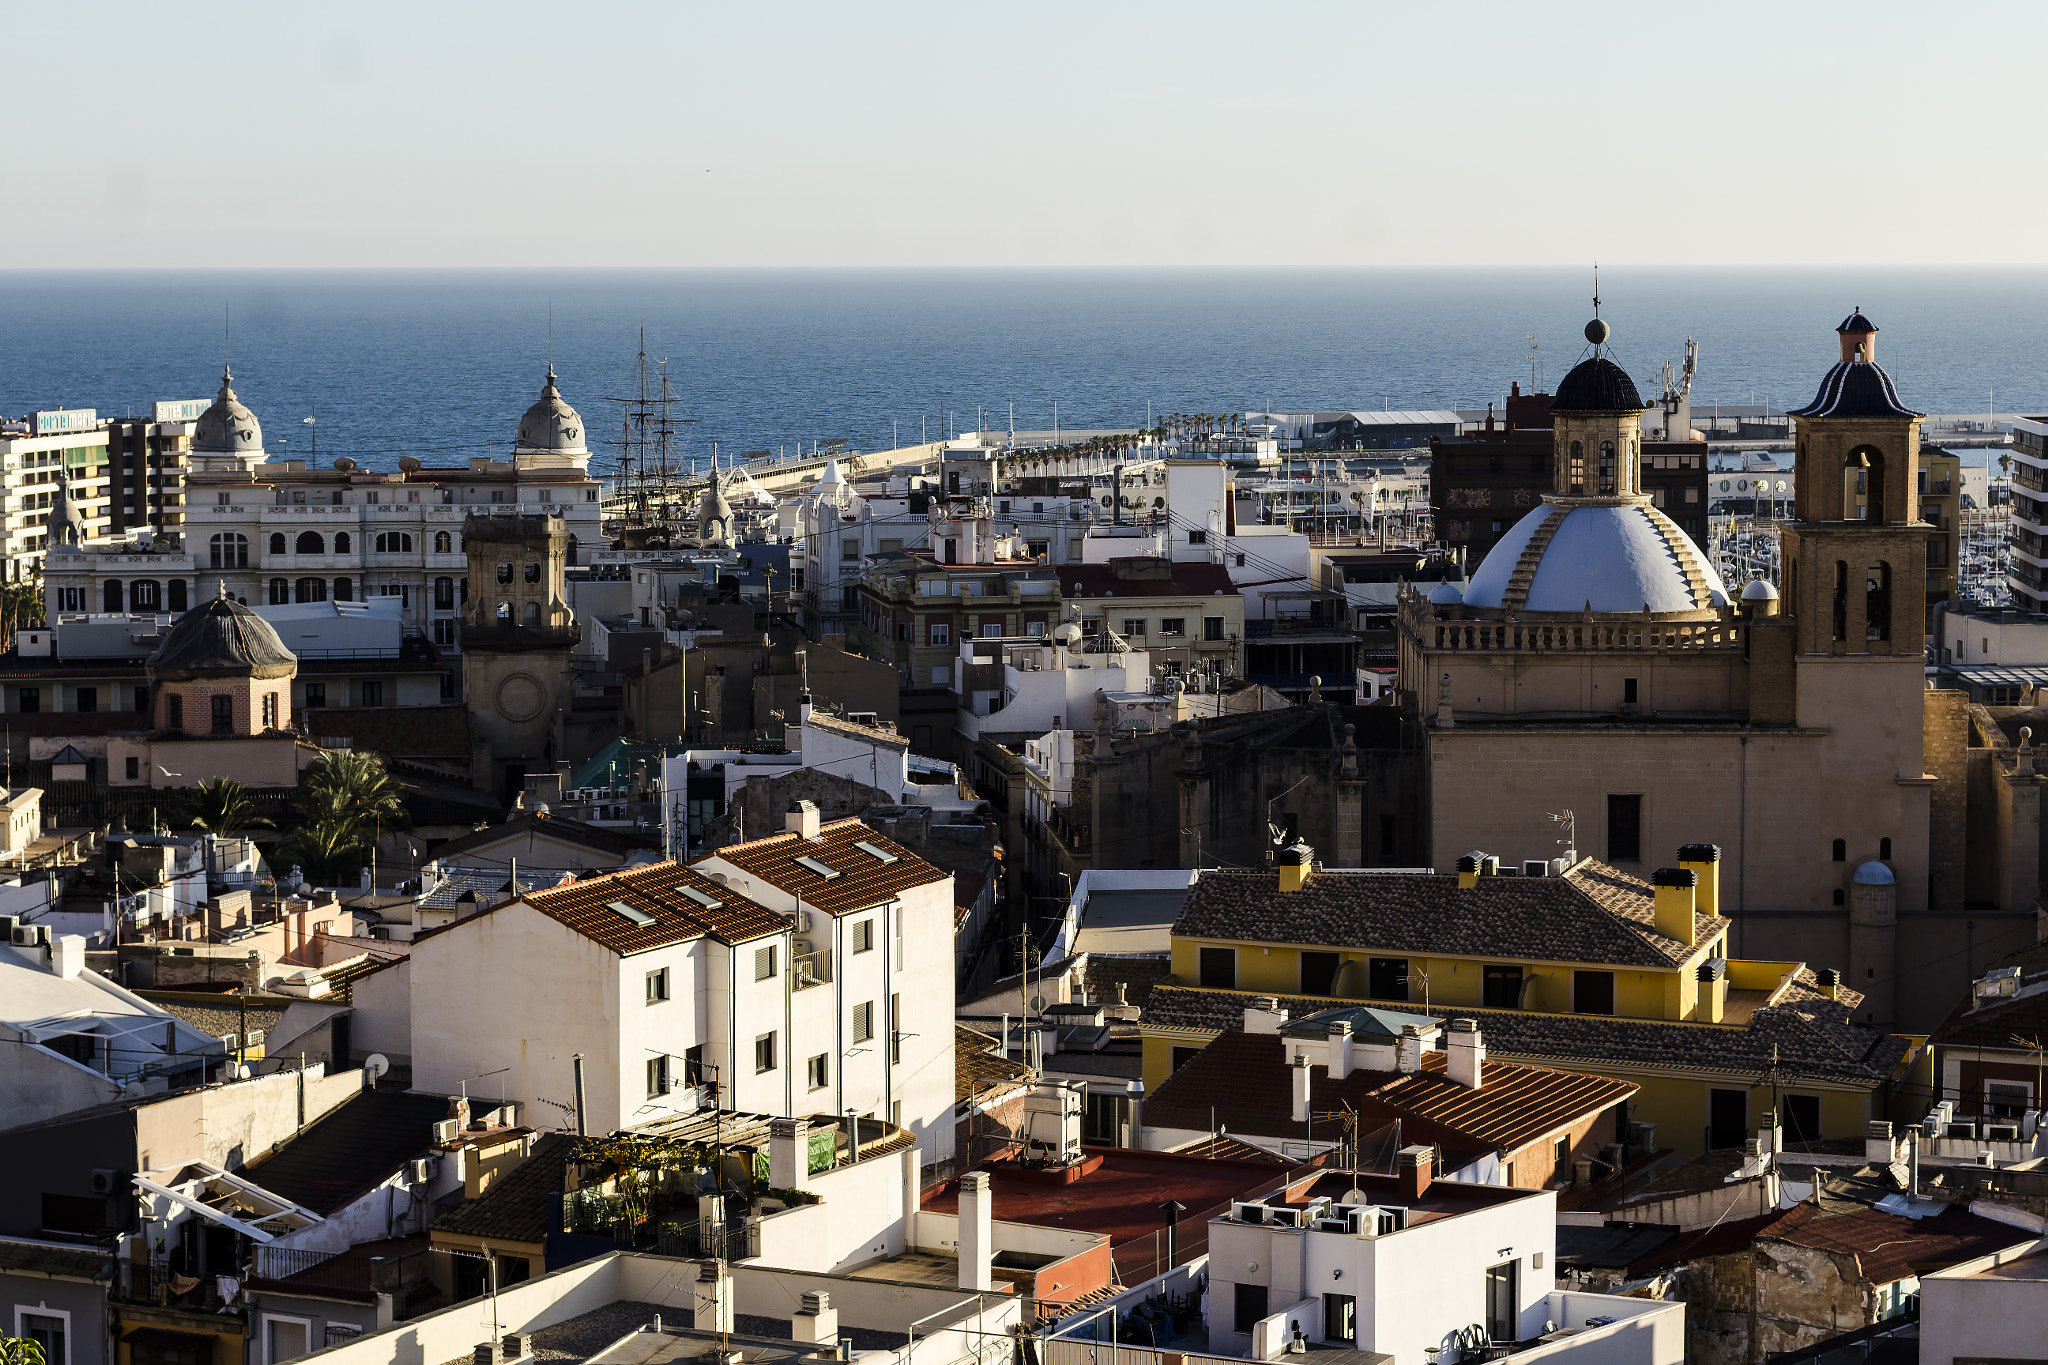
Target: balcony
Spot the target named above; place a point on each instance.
(810, 969)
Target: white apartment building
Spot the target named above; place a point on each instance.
(869, 1025)
(37, 456)
(1407, 1267)
(2028, 575)
(685, 988)
(279, 532)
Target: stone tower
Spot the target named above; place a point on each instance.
(517, 634)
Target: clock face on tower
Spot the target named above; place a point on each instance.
(519, 697)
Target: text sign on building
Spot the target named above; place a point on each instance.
(182, 410)
(66, 419)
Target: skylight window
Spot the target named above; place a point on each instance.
(709, 902)
(629, 914)
(813, 865)
(875, 851)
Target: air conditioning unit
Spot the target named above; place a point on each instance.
(2002, 1132)
(1535, 867)
(107, 1182)
(422, 1170)
(30, 935)
(447, 1130)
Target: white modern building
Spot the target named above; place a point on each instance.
(1416, 1270)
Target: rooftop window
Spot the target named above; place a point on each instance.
(879, 854)
(813, 865)
(628, 913)
(709, 902)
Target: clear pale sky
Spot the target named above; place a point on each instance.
(1040, 134)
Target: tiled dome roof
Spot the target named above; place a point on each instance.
(1597, 385)
(227, 428)
(551, 425)
(1856, 388)
(222, 639)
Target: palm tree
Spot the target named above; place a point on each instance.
(326, 848)
(354, 788)
(221, 806)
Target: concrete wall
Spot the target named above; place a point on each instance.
(234, 1125)
(860, 1216)
(1967, 1313)
(80, 1306)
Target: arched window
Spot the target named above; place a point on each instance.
(443, 543)
(110, 594)
(1884, 850)
(1877, 602)
(1841, 850)
(312, 590)
(277, 542)
(343, 590)
(280, 592)
(533, 613)
(533, 573)
(312, 543)
(1577, 480)
(1866, 465)
(504, 573)
(228, 550)
(504, 613)
(1606, 468)
(341, 542)
(444, 594)
(393, 543)
(145, 594)
(177, 594)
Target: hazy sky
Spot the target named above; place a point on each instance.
(1048, 133)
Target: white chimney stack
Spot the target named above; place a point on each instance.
(1264, 1015)
(817, 1322)
(1340, 1049)
(712, 1299)
(1466, 1059)
(1408, 1052)
(788, 1153)
(977, 1231)
(1300, 1072)
(801, 818)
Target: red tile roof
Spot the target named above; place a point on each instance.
(1121, 1197)
(1243, 1079)
(864, 880)
(655, 890)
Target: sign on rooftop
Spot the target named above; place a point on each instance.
(62, 420)
(182, 409)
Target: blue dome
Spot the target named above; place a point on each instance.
(1446, 594)
(1872, 874)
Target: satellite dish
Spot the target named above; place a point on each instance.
(375, 1065)
(1038, 1002)
(409, 463)
(345, 464)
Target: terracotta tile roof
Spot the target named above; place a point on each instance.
(1815, 1041)
(863, 881)
(975, 1063)
(515, 1209)
(1592, 914)
(1888, 1247)
(1243, 1078)
(1994, 1024)
(654, 890)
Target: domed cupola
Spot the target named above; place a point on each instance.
(228, 428)
(551, 426)
(1597, 384)
(222, 639)
(1857, 386)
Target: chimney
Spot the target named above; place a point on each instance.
(1474, 865)
(1293, 863)
(1830, 982)
(788, 1152)
(1264, 1015)
(1301, 1078)
(801, 818)
(1467, 1054)
(1713, 1001)
(1704, 860)
(1408, 1052)
(712, 1296)
(817, 1322)
(1340, 1049)
(1674, 904)
(1877, 1143)
(803, 708)
(1413, 1165)
(977, 1231)
(67, 955)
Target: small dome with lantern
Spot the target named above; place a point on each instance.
(550, 426)
(227, 427)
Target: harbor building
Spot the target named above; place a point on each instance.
(280, 531)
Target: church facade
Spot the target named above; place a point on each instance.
(1595, 686)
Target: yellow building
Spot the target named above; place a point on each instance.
(1583, 968)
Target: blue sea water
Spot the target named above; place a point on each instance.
(440, 364)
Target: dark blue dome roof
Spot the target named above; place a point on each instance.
(1856, 322)
(1597, 385)
(1856, 388)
